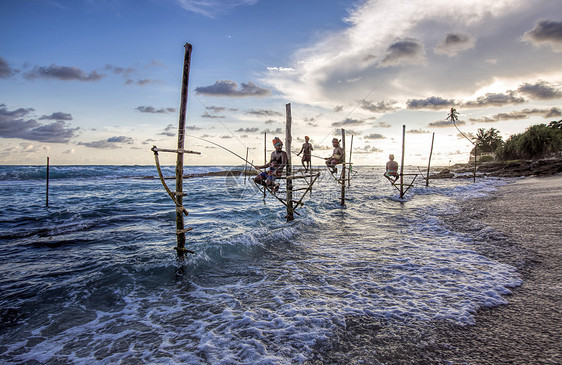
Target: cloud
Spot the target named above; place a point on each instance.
(418, 131)
(375, 136)
(382, 125)
(230, 88)
(193, 128)
(540, 90)
(264, 113)
(63, 73)
(269, 131)
(69, 152)
(380, 33)
(271, 121)
(169, 131)
(153, 110)
(496, 99)
(213, 8)
(110, 143)
(433, 102)
(5, 69)
(445, 123)
(209, 115)
(57, 116)
(545, 32)
(410, 50)
(516, 115)
(367, 149)
(247, 130)
(455, 43)
(13, 124)
(380, 107)
(281, 69)
(348, 122)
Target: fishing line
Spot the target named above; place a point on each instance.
(199, 100)
(369, 93)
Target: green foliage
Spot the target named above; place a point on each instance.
(488, 140)
(486, 158)
(536, 142)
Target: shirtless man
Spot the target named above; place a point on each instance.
(337, 156)
(278, 160)
(306, 151)
(391, 169)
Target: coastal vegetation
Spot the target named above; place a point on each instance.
(538, 141)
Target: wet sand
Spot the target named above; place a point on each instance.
(526, 221)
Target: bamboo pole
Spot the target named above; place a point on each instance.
(429, 162)
(402, 163)
(342, 203)
(246, 164)
(180, 228)
(264, 158)
(475, 153)
(350, 165)
(289, 169)
(47, 189)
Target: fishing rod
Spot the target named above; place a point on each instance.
(226, 149)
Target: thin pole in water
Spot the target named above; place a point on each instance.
(402, 164)
(47, 190)
(288, 140)
(429, 162)
(343, 180)
(180, 228)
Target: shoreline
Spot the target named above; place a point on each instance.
(518, 225)
(527, 234)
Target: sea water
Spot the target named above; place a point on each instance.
(94, 277)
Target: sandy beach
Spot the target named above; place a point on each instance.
(526, 217)
(520, 225)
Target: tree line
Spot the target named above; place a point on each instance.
(538, 141)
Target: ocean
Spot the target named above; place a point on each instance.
(93, 277)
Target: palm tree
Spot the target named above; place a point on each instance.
(454, 117)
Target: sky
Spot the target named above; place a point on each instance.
(95, 82)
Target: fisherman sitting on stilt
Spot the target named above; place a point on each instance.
(276, 165)
(336, 158)
(391, 172)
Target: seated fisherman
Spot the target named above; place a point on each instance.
(337, 156)
(267, 178)
(391, 172)
(278, 161)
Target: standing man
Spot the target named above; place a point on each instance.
(336, 158)
(306, 151)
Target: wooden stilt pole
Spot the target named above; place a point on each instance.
(343, 180)
(180, 228)
(429, 162)
(349, 171)
(47, 190)
(402, 163)
(289, 169)
(246, 164)
(264, 158)
(475, 153)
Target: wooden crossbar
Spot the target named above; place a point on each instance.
(179, 150)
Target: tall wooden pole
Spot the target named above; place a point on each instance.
(343, 180)
(47, 190)
(475, 153)
(180, 228)
(350, 152)
(264, 158)
(246, 164)
(429, 162)
(288, 140)
(402, 163)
